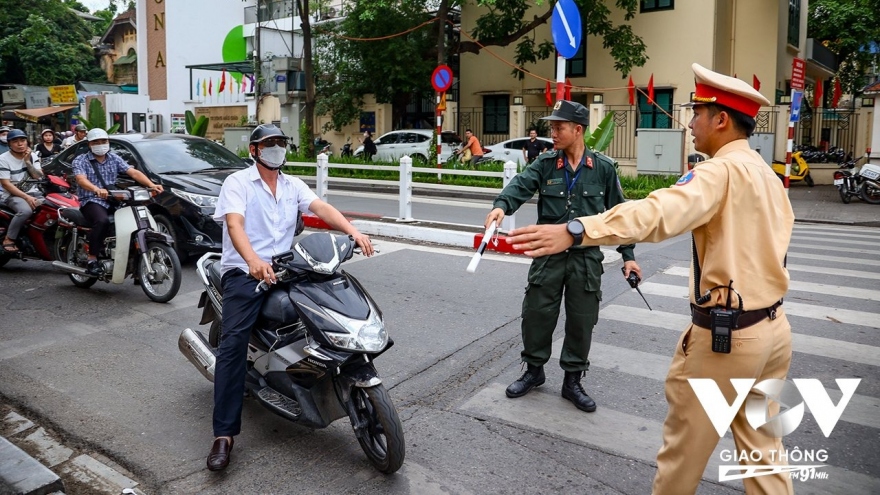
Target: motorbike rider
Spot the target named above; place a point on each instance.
(258, 209)
(79, 134)
(4, 146)
(47, 147)
(16, 164)
(94, 172)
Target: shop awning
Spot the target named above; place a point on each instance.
(126, 59)
(34, 114)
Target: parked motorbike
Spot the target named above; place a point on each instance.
(869, 190)
(311, 352)
(346, 148)
(800, 171)
(37, 239)
(323, 146)
(135, 248)
(864, 183)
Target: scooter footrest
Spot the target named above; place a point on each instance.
(280, 404)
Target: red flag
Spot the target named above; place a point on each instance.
(222, 82)
(568, 89)
(632, 91)
(837, 92)
(548, 96)
(817, 95)
(651, 90)
(756, 83)
(211, 87)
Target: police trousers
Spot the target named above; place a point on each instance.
(573, 275)
(761, 351)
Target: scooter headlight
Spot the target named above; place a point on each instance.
(363, 335)
(142, 195)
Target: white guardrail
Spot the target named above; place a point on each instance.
(405, 183)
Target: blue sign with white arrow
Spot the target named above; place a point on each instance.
(566, 28)
(796, 97)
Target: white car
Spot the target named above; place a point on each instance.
(416, 143)
(512, 150)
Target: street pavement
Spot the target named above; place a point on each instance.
(832, 303)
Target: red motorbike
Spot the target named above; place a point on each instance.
(39, 237)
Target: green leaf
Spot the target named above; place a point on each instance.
(602, 136)
(189, 121)
(113, 129)
(200, 128)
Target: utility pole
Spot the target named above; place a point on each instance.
(258, 62)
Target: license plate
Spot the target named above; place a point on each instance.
(870, 174)
(838, 182)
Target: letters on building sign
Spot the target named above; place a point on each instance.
(160, 60)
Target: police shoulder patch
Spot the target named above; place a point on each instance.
(684, 179)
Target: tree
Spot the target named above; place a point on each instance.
(847, 28)
(44, 43)
(302, 6)
(349, 69)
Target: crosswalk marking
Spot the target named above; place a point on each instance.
(833, 271)
(832, 290)
(836, 239)
(838, 249)
(862, 409)
(846, 230)
(838, 259)
(837, 315)
(633, 436)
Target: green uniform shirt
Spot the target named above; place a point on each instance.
(595, 190)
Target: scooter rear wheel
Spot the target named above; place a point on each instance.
(844, 196)
(76, 256)
(809, 180)
(382, 437)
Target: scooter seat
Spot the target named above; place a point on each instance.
(213, 269)
(73, 215)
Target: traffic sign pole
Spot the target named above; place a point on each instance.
(788, 147)
(798, 67)
(565, 27)
(441, 79)
(560, 77)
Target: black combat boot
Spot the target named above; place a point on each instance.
(573, 391)
(533, 377)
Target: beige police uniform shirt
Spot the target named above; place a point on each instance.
(741, 220)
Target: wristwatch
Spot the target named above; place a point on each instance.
(576, 230)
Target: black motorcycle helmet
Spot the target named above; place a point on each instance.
(266, 131)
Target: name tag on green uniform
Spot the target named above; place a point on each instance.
(551, 182)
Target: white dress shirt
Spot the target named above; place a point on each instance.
(269, 221)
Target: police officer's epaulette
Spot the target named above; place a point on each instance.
(602, 158)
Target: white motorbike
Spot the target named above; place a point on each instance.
(135, 247)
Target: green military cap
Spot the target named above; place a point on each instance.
(569, 111)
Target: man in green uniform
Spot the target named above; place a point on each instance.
(572, 181)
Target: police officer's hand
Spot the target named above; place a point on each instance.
(631, 266)
(540, 240)
(496, 215)
(363, 241)
(261, 270)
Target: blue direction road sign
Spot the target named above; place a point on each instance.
(796, 97)
(566, 28)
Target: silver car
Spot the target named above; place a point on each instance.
(512, 150)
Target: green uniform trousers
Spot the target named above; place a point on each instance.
(578, 275)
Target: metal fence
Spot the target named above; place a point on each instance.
(827, 127)
(765, 121)
(472, 118)
(625, 123)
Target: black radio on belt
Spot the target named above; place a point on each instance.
(723, 321)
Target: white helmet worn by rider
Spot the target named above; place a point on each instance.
(97, 134)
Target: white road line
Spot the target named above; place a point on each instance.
(837, 249)
(861, 410)
(836, 238)
(845, 231)
(838, 259)
(838, 315)
(632, 436)
(833, 290)
(833, 271)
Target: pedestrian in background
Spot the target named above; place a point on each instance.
(572, 182)
(471, 151)
(79, 134)
(369, 146)
(731, 203)
(533, 147)
(4, 144)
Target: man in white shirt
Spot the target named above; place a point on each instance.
(15, 165)
(259, 209)
(79, 134)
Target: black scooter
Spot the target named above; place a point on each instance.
(310, 357)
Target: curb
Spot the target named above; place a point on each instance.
(22, 474)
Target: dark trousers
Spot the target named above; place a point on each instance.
(241, 307)
(99, 219)
(549, 278)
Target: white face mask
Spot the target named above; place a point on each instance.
(100, 149)
(3, 139)
(273, 157)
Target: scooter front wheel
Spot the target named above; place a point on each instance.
(870, 193)
(809, 180)
(381, 434)
(160, 272)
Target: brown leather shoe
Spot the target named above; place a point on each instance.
(218, 458)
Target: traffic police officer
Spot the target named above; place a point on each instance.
(572, 182)
(741, 220)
